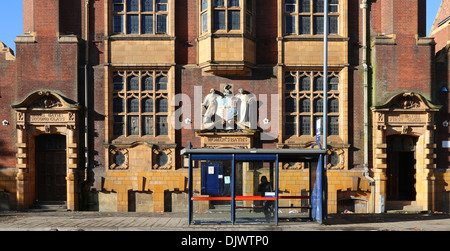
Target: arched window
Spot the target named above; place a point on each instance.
(133, 83)
(133, 105)
(147, 105)
(161, 105)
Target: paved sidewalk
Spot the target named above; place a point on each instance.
(96, 221)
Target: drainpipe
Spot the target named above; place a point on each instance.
(366, 174)
(86, 95)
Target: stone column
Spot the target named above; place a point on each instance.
(380, 156)
(22, 162)
(71, 178)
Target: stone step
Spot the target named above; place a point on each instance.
(49, 206)
(403, 207)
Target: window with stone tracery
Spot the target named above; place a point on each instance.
(140, 103)
(303, 102)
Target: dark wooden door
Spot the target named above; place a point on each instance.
(51, 168)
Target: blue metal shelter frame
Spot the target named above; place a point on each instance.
(275, 155)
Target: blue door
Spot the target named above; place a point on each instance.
(212, 178)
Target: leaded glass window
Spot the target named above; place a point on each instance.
(306, 17)
(145, 93)
(140, 16)
(303, 102)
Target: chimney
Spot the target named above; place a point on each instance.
(41, 16)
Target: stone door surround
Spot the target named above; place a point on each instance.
(44, 112)
(406, 114)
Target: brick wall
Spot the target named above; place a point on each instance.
(7, 137)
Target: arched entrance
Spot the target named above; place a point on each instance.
(403, 151)
(401, 167)
(50, 163)
(47, 149)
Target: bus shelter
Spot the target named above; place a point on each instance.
(220, 181)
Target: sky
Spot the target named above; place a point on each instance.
(12, 18)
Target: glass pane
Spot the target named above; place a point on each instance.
(133, 83)
(305, 6)
(305, 24)
(291, 24)
(333, 6)
(147, 24)
(118, 105)
(148, 125)
(133, 105)
(161, 105)
(318, 84)
(204, 5)
(133, 24)
(333, 105)
(147, 83)
(318, 105)
(147, 5)
(334, 28)
(234, 20)
(132, 5)
(305, 84)
(147, 105)
(289, 82)
(133, 125)
(290, 6)
(318, 25)
(161, 24)
(161, 5)
(118, 24)
(118, 125)
(305, 105)
(161, 83)
(205, 22)
(249, 23)
(162, 127)
(219, 3)
(305, 127)
(118, 5)
(249, 5)
(219, 20)
(290, 105)
(291, 125)
(318, 6)
(118, 83)
(233, 3)
(334, 126)
(333, 83)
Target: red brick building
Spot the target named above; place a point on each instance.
(101, 96)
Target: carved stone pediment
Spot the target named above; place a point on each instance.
(45, 100)
(407, 101)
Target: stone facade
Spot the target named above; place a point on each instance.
(124, 82)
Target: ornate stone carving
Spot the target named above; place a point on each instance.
(294, 166)
(226, 111)
(120, 159)
(162, 159)
(47, 101)
(408, 101)
(336, 157)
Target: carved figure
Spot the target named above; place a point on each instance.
(210, 104)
